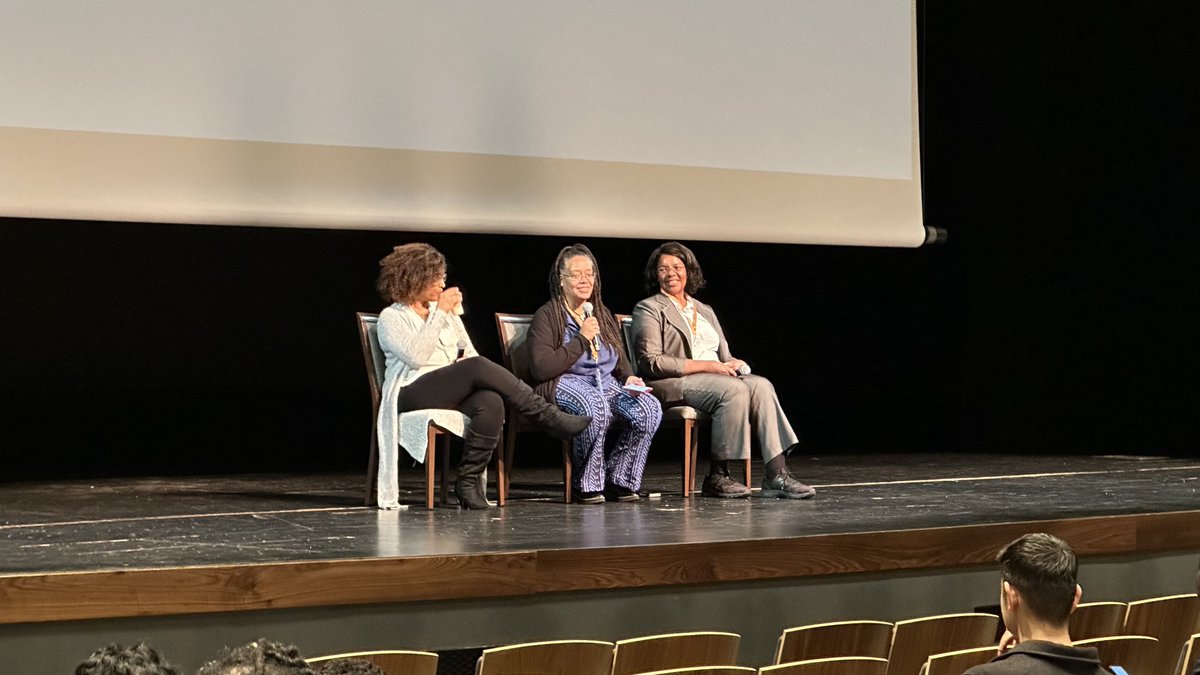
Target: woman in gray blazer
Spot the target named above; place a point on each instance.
(682, 353)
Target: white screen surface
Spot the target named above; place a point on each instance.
(770, 120)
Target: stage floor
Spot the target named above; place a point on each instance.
(162, 523)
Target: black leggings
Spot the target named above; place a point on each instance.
(476, 387)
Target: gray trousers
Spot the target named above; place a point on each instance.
(737, 405)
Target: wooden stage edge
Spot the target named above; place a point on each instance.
(190, 590)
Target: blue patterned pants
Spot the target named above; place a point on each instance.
(613, 448)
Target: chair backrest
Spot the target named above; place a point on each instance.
(368, 334)
(959, 661)
(840, 638)
(514, 331)
(392, 662)
(1137, 654)
(915, 639)
(703, 670)
(838, 665)
(675, 650)
(626, 322)
(1097, 619)
(556, 657)
(1191, 656)
(1171, 619)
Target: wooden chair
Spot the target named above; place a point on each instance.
(829, 640)
(513, 330)
(1171, 619)
(1097, 619)
(556, 657)
(703, 670)
(440, 424)
(838, 665)
(1137, 654)
(392, 662)
(914, 640)
(959, 661)
(1191, 656)
(675, 650)
(684, 416)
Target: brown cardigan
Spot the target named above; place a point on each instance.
(549, 358)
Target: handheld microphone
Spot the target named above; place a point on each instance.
(462, 349)
(587, 314)
(743, 369)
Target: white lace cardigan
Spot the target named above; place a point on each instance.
(412, 346)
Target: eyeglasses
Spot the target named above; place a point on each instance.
(577, 277)
(678, 269)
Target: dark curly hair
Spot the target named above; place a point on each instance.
(349, 667)
(408, 270)
(609, 331)
(695, 277)
(1043, 568)
(261, 657)
(114, 659)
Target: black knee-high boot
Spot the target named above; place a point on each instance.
(545, 415)
(469, 485)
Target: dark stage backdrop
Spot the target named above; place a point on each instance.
(1056, 319)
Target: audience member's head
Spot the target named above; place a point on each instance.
(1039, 582)
(349, 667)
(117, 660)
(261, 657)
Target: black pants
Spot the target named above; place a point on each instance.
(476, 387)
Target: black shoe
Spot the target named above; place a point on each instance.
(719, 484)
(585, 497)
(784, 486)
(616, 493)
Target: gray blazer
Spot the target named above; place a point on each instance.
(661, 344)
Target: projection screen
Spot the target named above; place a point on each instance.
(767, 120)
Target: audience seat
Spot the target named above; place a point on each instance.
(675, 650)
(1097, 619)
(556, 657)
(1137, 654)
(840, 638)
(914, 640)
(392, 662)
(1190, 661)
(838, 665)
(1171, 619)
(959, 661)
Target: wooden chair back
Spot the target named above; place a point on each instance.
(1097, 619)
(683, 416)
(513, 330)
(703, 670)
(914, 640)
(1137, 654)
(556, 657)
(392, 662)
(959, 661)
(675, 650)
(838, 665)
(1171, 619)
(828, 640)
(368, 336)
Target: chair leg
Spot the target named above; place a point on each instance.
(688, 469)
(372, 468)
(567, 477)
(747, 472)
(430, 465)
(501, 476)
(445, 466)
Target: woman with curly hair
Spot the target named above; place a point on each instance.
(682, 351)
(576, 356)
(431, 363)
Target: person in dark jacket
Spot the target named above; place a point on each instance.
(576, 359)
(1038, 592)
